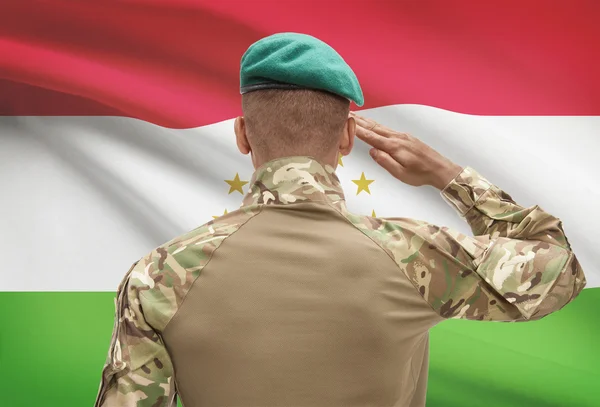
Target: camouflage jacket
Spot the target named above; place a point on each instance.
(518, 266)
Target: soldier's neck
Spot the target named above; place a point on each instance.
(326, 159)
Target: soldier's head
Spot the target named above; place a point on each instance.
(296, 92)
(287, 122)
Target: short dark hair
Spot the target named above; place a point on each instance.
(282, 122)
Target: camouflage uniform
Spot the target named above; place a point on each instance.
(307, 304)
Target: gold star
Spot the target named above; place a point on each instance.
(224, 213)
(373, 214)
(363, 184)
(340, 160)
(236, 184)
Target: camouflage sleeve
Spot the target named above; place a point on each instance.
(138, 370)
(518, 266)
(527, 260)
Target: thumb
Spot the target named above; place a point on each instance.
(387, 162)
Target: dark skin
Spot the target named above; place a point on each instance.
(405, 157)
(344, 146)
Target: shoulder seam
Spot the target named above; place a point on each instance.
(391, 258)
(260, 208)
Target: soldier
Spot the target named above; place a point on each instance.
(292, 300)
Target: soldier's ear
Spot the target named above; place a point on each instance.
(351, 125)
(241, 138)
(347, 140)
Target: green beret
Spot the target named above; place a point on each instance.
(297, 61)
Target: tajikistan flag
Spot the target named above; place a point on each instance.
(117, 136)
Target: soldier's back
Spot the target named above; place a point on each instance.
(298, 307)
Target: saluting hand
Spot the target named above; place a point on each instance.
(405, 157)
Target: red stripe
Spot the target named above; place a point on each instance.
(175, 62)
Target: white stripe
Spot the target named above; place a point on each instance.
(84, 197)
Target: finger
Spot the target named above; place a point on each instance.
(390, 145)
(374, 139)
(380, 129)
(387, 162)
(363, 121)
(372, 125)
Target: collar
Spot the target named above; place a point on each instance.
(294, 179)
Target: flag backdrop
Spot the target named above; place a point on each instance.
(116, 135)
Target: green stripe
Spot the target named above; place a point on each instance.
(53, 345)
